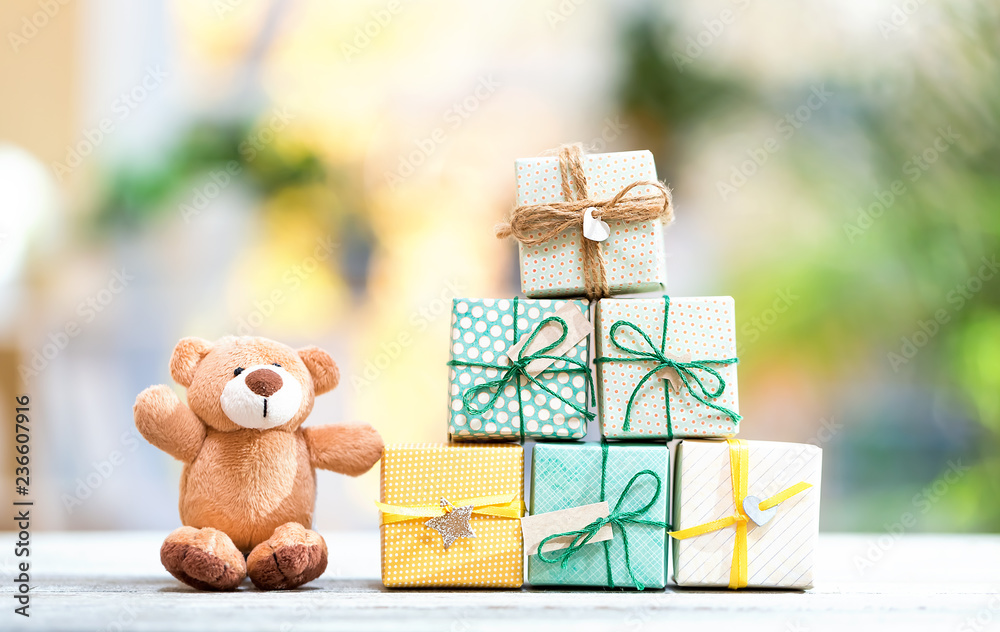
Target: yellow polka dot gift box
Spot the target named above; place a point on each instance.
(519, 368)
(666, 367)
(746, 513)
(589, 225)
(450, 515)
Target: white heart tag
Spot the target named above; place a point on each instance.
(751, 506)
(594, 229)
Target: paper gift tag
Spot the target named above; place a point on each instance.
(593, 228)
(578, 328)
(670, 374)
(540, 526)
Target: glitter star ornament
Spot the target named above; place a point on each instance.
(454, 524)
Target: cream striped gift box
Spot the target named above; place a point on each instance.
(778, 554)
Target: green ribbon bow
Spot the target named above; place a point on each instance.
(518, 369)
(617, 518)
(685, 370)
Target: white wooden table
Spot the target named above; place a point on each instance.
(113, 581)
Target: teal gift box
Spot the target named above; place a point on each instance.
(495, 396)
(629, 476)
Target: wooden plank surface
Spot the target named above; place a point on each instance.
(113, 581)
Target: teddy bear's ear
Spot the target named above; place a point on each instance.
(187, 354)
(323, 369)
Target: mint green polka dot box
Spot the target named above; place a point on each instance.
(520, 368)
(666, 367)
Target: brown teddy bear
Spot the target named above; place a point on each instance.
(248, 488)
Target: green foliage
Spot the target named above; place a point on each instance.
(136, 194)
(866, 287)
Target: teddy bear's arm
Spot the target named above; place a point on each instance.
(168, 423)
(350, 449)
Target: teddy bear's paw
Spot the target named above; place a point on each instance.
(292, 556)
(205, 559)
(154, 404)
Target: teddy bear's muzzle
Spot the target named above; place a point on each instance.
(262, 397)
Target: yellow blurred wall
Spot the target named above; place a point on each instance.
(38, 68)
(39, 113)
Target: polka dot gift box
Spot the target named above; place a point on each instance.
(666, 367)
(497, 393)
(632, 255)
(433, 495)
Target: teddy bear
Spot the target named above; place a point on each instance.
(248, 485)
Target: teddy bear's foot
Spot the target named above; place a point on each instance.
(292, 556)
(205, 559)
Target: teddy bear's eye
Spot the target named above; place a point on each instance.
(276, 364)
(238, 370)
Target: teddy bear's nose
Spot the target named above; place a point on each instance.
(264, 382)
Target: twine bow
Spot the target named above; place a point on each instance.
(513, 372)
(685, 369)
(533, 224)
(739, 465)
(617, 518)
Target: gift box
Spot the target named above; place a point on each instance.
(666, 367)
(556, 259)
(746, 513)
(629, 477)
(520, 368)
(450, 515)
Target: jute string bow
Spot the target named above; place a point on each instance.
(533, 224)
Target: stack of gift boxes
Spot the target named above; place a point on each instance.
(739, 513)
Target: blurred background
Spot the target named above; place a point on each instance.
(330, 173)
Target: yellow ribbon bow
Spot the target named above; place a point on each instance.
(739, 465)
(500, 505)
